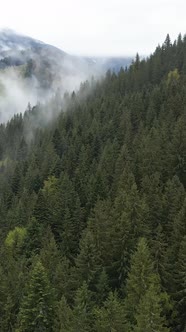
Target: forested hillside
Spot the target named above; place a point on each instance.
(93, 206)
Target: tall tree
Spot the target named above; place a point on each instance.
(111, 317)
(37, 309)
(149, 317)
(141, 276)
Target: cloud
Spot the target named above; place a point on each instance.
(32, 72)
(50, 74)
(15, 93)
(114, 27)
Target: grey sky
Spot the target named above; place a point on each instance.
(97, 27)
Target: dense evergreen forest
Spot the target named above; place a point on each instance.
(93, 205)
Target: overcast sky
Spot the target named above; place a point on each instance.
(97, 27)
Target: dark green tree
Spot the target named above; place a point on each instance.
(149, 315)
(111, 317)
(141, 276)
(37, 308)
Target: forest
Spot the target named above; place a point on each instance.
(93, 205)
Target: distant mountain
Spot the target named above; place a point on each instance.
(32, 71)
(16, 50)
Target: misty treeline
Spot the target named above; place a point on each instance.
(36, 74)
(33, 71)
(93, 206)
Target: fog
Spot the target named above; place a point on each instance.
(16, 91)
(33, 72)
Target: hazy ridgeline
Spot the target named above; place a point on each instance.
(33, 72)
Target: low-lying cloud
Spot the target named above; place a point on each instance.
(36, 71)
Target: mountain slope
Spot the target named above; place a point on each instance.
(32, 71)
(93, 207)
(16, 49)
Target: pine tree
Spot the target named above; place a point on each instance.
(64, 319)
(102, 287)
(130, 220)
(37, 309)
(180, 283)
(173, 199)
(140, 278)
(32, 243)
(3, 298)
(50, 256)
(13, 278)
(82, 309)
(149, 313)
(110, 317)
(88, 261)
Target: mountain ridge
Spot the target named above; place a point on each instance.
(35, 71)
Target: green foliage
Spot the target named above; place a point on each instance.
(180, 284)
(15, 238)
(88, 261)
(64, 321)
(173, 75)
(111, 317)
(149, 314)
(37, 308)
(82, 309)
(93, 204)
(141, 276)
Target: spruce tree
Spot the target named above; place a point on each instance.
(37, 308)
(180, 285)
(111, 317)
(64, 319)
(141, 276)
(149, 316)
(82, 310)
